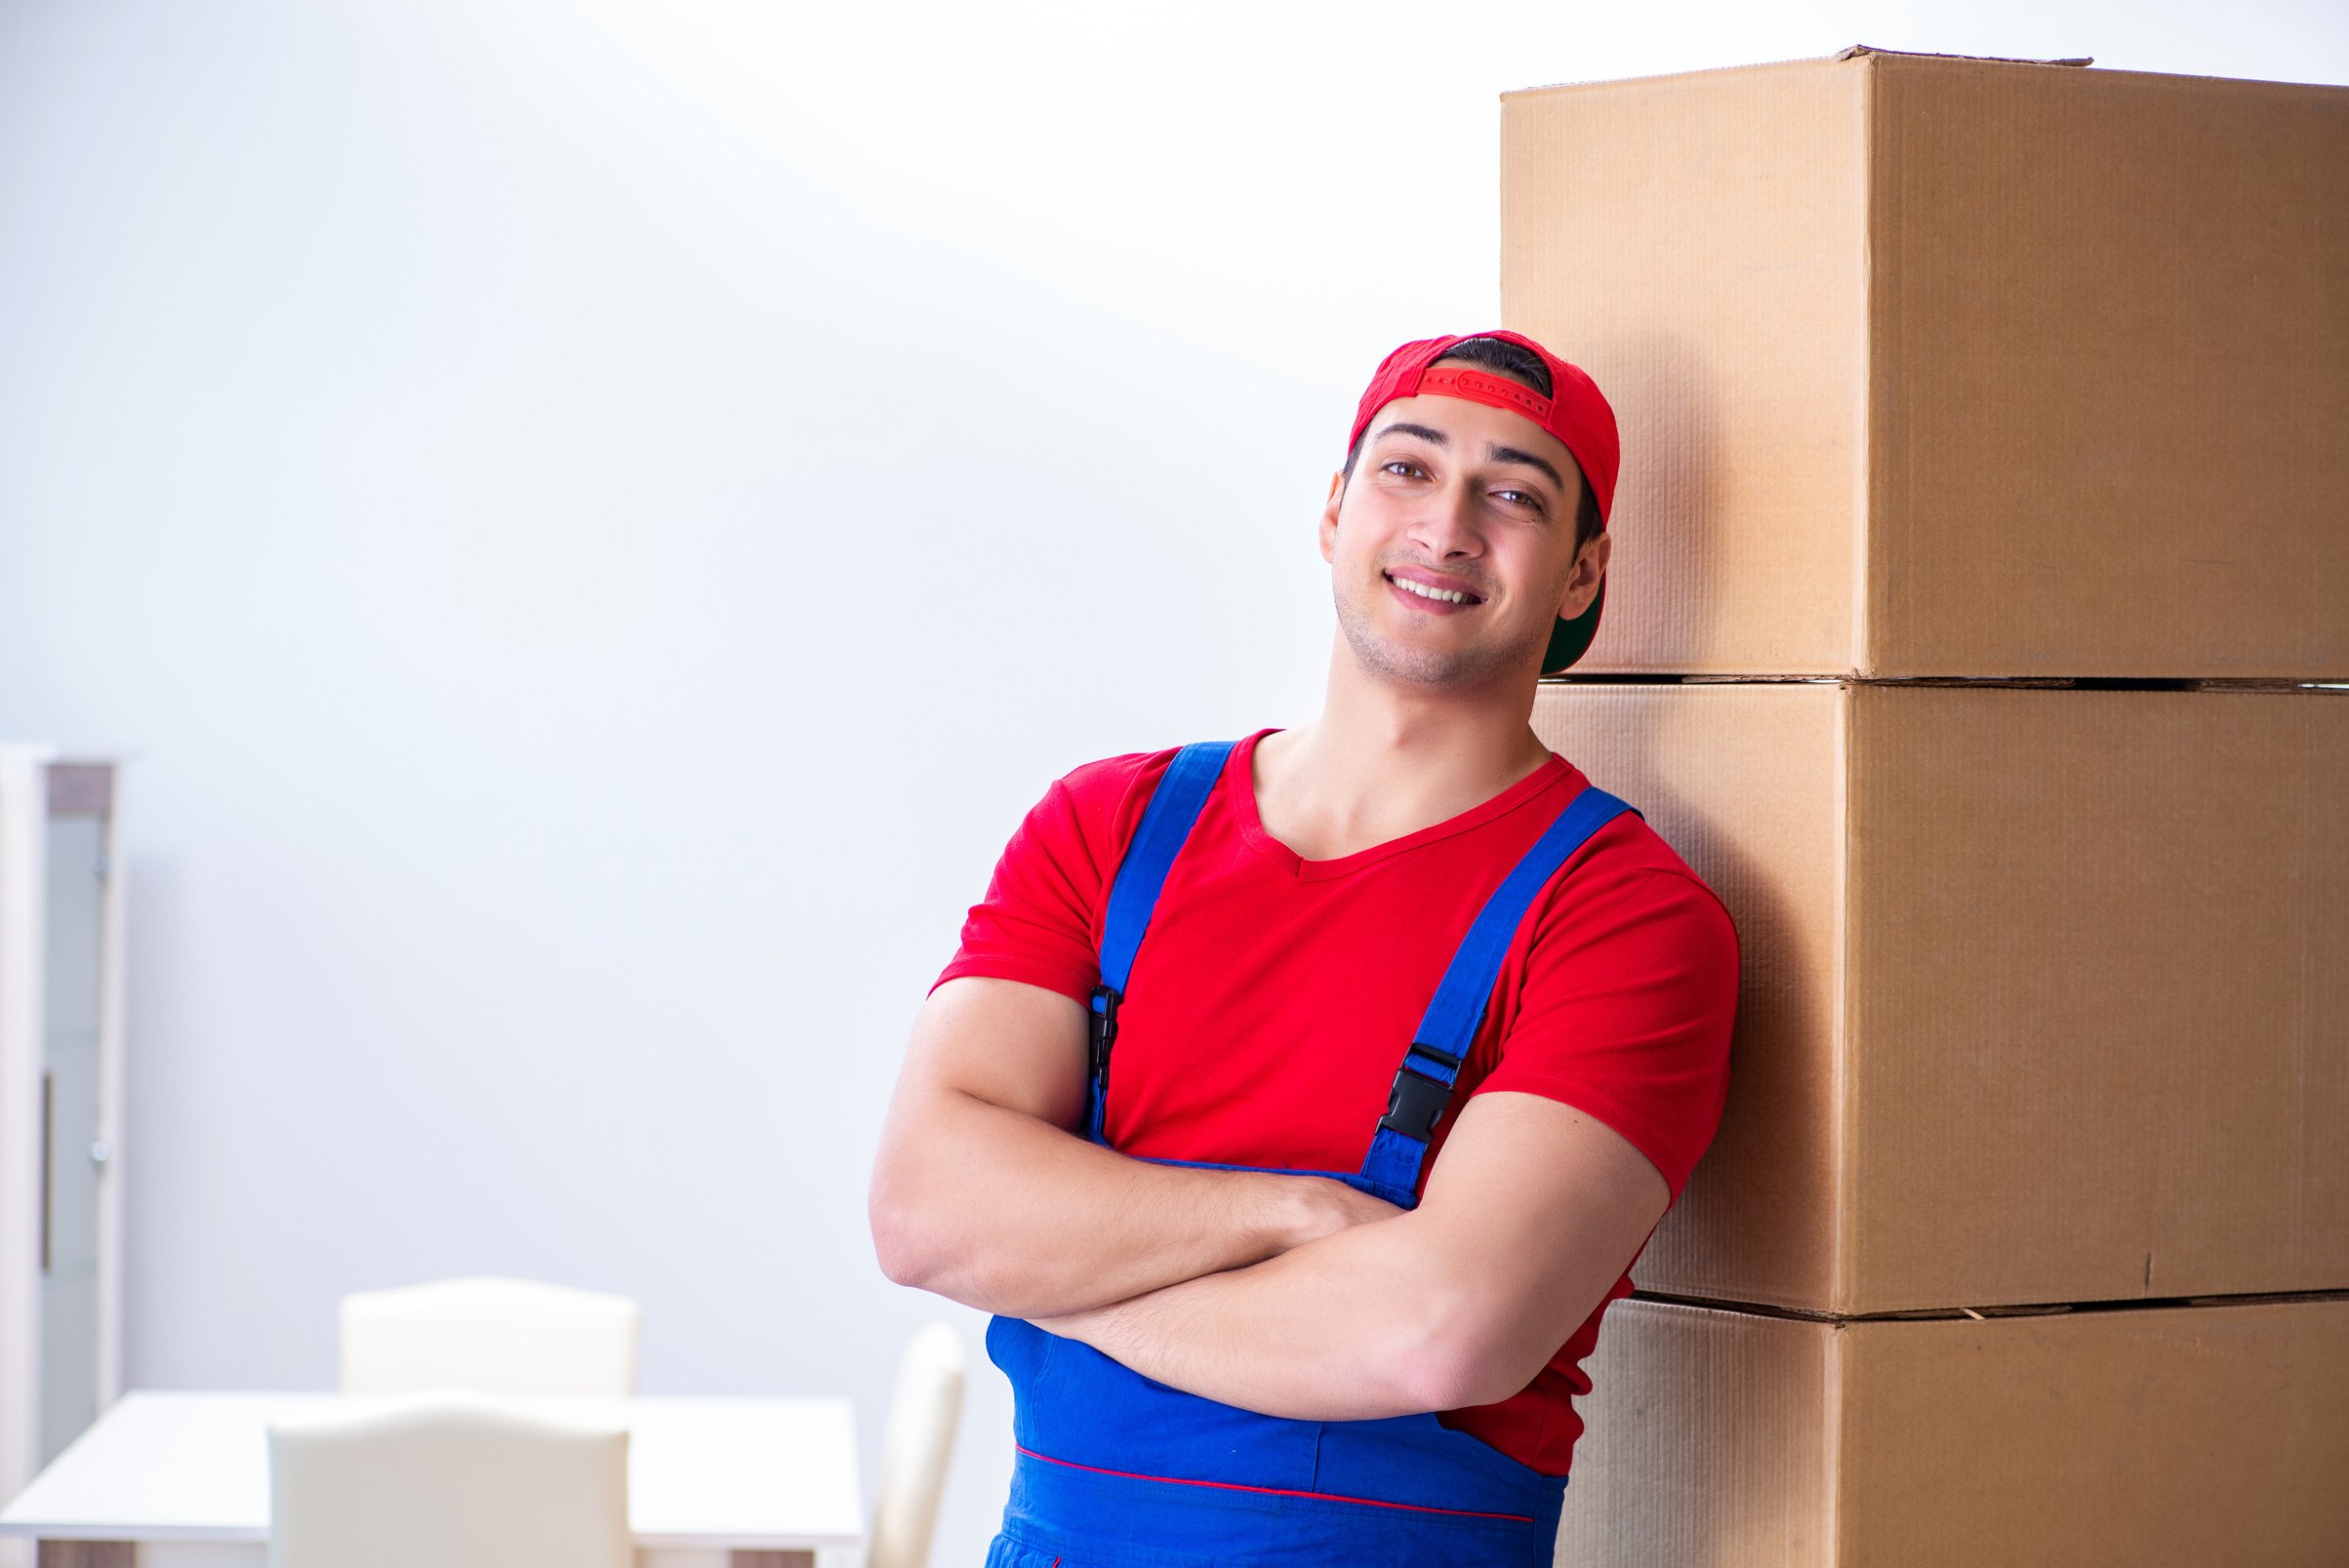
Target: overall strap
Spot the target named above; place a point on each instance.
(1174, 806)
(1423, 1084)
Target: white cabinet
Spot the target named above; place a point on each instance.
(60, 1098)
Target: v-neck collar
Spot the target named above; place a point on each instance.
(1239, 777)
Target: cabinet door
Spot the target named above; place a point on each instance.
(73, 952)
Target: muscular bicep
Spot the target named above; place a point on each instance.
(1532, 1212)
(1008, 1044)
(985, 1190)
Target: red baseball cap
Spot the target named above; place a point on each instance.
(1575, 412)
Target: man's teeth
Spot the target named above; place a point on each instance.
(1447, 595)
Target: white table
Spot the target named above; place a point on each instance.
(181, 1481)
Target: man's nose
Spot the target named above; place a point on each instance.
(1446, 524)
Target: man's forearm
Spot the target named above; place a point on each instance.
(1004, 1212)
(1348, 1328)
(1535, 1210)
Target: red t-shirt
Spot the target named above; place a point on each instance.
(1272, 997)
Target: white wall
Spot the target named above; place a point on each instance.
(597, 519)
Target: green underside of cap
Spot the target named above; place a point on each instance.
(1570, 640)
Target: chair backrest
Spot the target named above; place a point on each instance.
(451, 1481)
(490, 1336)
(923, 1413)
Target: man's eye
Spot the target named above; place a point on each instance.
(1520, 498)
(1401, 465)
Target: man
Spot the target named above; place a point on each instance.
(1299, 1105)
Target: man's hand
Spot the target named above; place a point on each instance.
(983, 1194)
(1532, 1213)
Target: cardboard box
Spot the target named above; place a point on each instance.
(2188, 1435)
(1941, 367)
(2046, 992)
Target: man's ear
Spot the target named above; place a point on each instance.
(1589, 569)
(1330, 514)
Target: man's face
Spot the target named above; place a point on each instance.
(1451, 547)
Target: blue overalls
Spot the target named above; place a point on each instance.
(1116, 1470)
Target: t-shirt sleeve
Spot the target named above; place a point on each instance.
(1038, 922)
(1629, 996)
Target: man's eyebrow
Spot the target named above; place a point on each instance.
(1498, 454)
(1530, 459)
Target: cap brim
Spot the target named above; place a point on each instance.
(1570, 640)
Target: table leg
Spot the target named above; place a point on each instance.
(86, 1554)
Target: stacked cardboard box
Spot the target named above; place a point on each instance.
(1982, 543)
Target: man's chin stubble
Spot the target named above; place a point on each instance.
(1410, 666)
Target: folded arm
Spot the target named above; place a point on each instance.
(1533, 1212)
(986, 1190)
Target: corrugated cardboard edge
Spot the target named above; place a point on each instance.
(1594, 82)
(1861, 51)
(1859, 650)
(1855, 52)
(1842, 1285)
(1881, 448)
(1831, 1441)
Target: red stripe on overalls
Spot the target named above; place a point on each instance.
(1279, 1491)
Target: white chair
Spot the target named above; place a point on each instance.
(490, 1336)
(923, 1412)
(449, 1481)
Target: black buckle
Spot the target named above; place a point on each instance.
(1417, 1102)
(1102, 1028)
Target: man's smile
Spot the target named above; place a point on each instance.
(1432, 592)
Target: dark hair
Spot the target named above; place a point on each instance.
(1524, 367)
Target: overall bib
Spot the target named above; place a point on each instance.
(1118, 1470)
